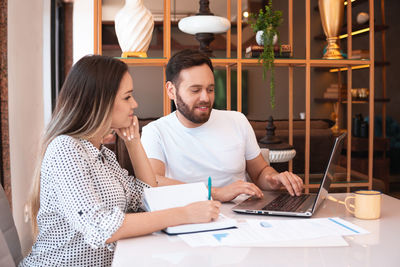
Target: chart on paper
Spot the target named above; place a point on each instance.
(311, 232)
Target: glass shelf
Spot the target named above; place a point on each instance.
(354, 100)
(324, 64)
(296, 62)
(315, 179)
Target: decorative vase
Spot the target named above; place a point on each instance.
(331, 12)
(134, 26)
(335, 117)
(260, 40)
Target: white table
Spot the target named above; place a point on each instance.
(380, 248)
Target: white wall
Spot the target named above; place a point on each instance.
(29, 89)
(46, 27)
(83, 25)
(25, 89)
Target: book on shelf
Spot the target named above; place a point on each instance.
(360, 54)
(337, 86)
(254, 51)
(333, 91)
(332, 95)
(166, 197)
(334, 85)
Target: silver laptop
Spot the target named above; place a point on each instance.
(302, 206)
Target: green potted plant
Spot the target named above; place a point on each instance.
(265, 24)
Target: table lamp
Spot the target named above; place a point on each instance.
(278, 150)
(204, 25)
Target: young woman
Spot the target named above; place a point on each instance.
(82, 200)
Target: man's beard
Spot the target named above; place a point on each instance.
(189, 114)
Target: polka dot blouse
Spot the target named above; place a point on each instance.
(84, 194)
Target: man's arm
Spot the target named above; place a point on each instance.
(267, 178)
(223, 194)
(152, 145)
(159, 170)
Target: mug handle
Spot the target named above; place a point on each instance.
(348, 208)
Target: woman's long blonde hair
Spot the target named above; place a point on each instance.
(83, 109)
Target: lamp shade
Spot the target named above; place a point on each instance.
(204, 24)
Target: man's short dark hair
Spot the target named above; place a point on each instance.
(183, 60)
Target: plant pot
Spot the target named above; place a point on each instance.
(260, 41)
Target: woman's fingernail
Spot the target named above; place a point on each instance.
(134, 123)
(131, 136)
(124, 133)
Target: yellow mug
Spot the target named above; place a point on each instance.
(367, 204)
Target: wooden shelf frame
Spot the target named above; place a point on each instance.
(308, 63)
(371, 100)
(145, 61)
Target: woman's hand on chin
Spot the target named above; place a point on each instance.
(131, 132)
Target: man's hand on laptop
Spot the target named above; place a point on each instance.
(229, 192)
(292, 182)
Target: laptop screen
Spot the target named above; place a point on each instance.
(330, 171)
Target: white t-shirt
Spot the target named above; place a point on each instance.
(219, 148)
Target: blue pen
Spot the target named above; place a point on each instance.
(209, 187)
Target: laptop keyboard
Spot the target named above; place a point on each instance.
(286, 202)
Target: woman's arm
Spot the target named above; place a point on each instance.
(137, 224)
(140, 162)
(138, 156)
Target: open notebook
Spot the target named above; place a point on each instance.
(165, 197)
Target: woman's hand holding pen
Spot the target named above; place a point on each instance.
(202, 211)
(130, 133)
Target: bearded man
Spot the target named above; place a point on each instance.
(197, 141)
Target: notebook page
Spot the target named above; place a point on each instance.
(165, 197)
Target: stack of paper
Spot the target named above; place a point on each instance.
(165, 197)
(320, 232)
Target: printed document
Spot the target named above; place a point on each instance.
(319, 232)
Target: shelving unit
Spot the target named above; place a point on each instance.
(354, 100)
(307, 63)
(382, 63)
